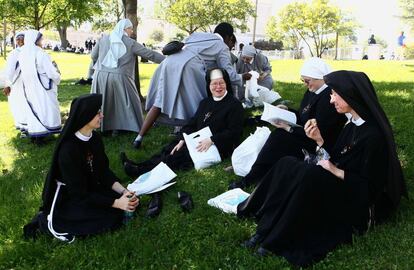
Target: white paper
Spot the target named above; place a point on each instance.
(273, 114)
(162, 187)
(229, 200)
(205, 159)
(152, 180)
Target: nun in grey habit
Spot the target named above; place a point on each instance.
(178, 85)
(114, 57)
(251, 59)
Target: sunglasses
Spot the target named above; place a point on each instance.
(306, 81)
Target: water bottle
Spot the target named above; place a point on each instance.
(129, 215)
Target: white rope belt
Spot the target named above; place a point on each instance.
(61, 236)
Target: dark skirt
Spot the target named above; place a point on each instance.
(304, 211)
(83, 219)
(180, 160)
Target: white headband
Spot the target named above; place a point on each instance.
(216, 74)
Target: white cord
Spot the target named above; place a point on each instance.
(60, 236)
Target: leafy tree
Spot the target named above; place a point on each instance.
(40, 14)
(157, 35)
(190, 15)
(289, 27)
(313, 23)
(407, 7)
(345, 27)
(111, 12)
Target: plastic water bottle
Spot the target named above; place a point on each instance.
(129, 215)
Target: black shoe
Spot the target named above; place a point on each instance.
(262, 252)
(125, 159)
(137, 144)
(154, 207)
(132, 170)
(186, 201)
(253, 241)
(238, 184)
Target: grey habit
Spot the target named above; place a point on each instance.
(121, 104)
(178, 84)
(260, 64)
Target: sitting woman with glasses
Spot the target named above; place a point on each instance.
(221, 112)
(81, 195)
(286, 140)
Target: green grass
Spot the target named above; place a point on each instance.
(205, 238)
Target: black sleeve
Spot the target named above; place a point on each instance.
(373, 165)
(191, 126)
(70, 164)
(108, 176)
(234, 127)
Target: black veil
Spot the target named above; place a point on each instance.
(82, 110)
(357, 90)
(226, 78)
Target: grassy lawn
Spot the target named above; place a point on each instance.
(206, 238)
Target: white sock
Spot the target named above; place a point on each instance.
(138, 138)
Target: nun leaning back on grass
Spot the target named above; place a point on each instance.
(114, 57)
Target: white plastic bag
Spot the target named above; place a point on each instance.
(257, 93)
(251, 86)
(246, 153)
(152, 180)
(229, 200)
(205, 159)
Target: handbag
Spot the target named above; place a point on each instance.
(172, 47)
(175, 46)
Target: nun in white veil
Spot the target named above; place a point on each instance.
(40, 78)
(114, 57)
(14, 87)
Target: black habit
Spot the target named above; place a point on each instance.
(303, 210)
(84, 203)
(282, 143)
(225, 120)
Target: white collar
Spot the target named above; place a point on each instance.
(221, 38)
(220, 98)
(323, 87)
(82, 137)
(358, 122)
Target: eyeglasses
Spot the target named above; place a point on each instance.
(215, 84)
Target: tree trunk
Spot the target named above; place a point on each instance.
(130, 7)
(336, 46)
(4, 38)
(62, 29)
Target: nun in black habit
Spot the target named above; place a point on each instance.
(82, 196)
(304, 210)
(289, 141)
(220, 111)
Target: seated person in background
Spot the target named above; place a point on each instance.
(306, 210)
(251, 59)
(286, 140)
(81, 195)
(221, 112)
